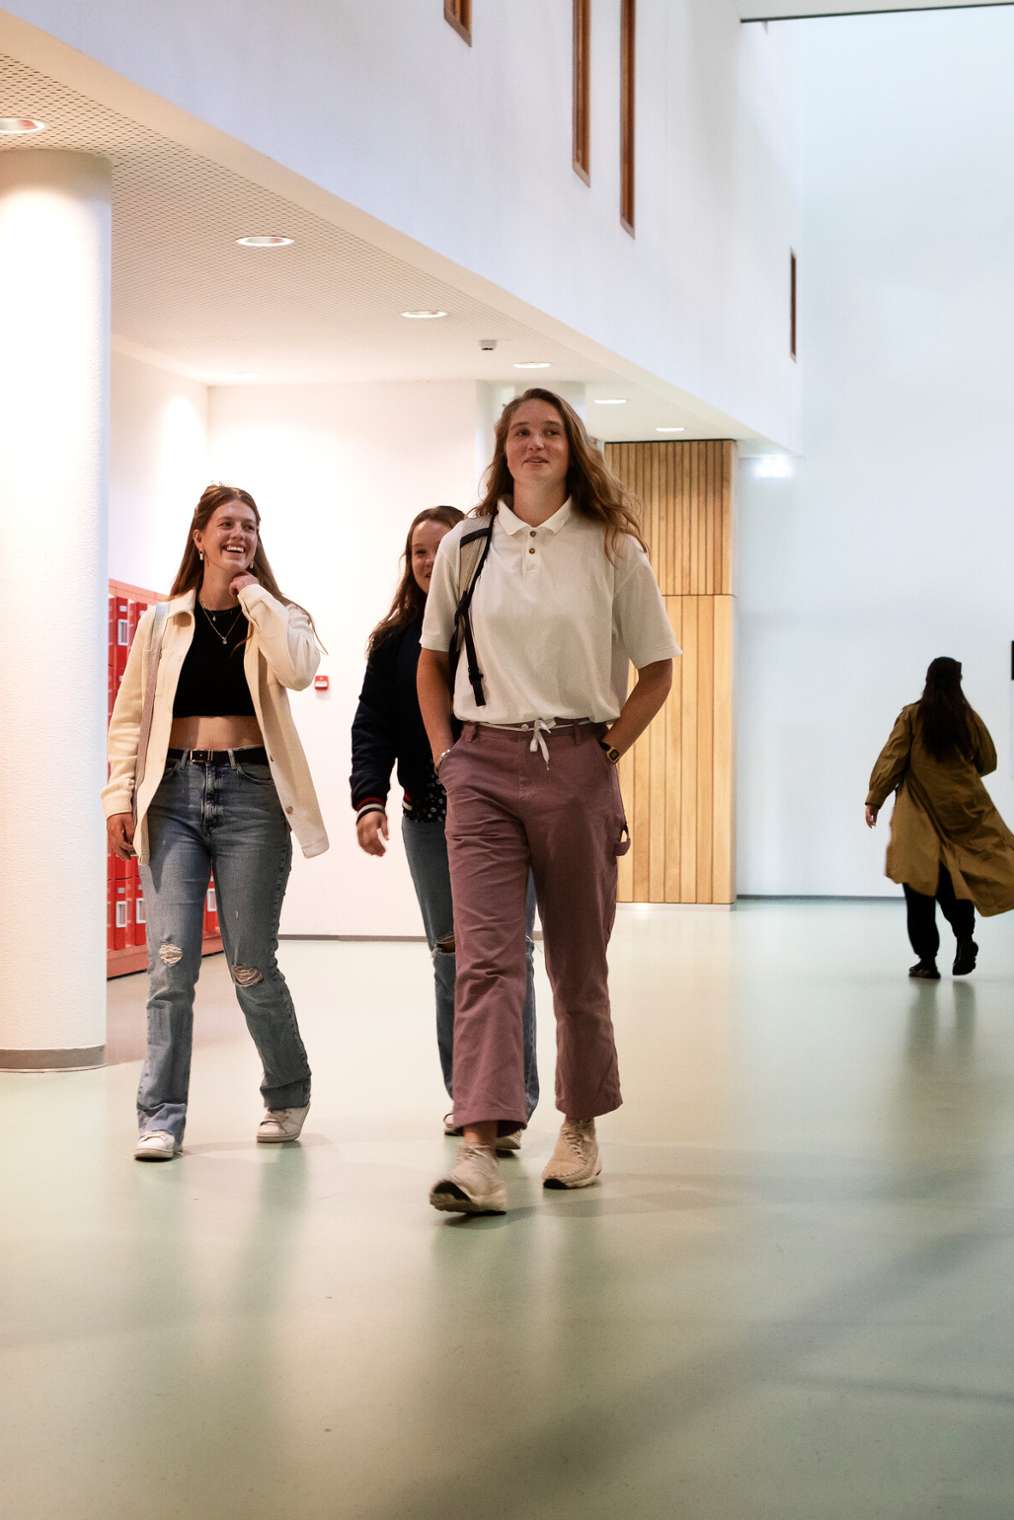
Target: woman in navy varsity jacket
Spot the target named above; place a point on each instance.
(387, 731)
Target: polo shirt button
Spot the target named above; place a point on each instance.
(531, 551)
(531, 533)
(288, 809)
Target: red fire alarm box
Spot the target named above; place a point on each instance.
(322, 683)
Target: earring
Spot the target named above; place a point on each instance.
(201, 553)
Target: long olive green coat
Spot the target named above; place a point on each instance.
(943, 813)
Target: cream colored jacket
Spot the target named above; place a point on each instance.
(280, 652)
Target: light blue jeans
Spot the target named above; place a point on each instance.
(224, 819)
(426, 852)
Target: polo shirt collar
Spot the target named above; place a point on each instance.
(512, 524)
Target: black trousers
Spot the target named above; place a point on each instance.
(922, 918)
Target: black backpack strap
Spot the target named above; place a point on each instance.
(463, 617)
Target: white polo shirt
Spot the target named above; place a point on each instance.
(557, 621)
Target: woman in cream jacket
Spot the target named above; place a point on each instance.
(207, 776)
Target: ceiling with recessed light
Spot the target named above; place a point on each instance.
(319, 303)
(796, 10)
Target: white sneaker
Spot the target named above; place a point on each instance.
(281, 1124)
(575, 1160)
(472, 1186)
(155, 1145)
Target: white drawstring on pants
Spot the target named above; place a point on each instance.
(539, 728)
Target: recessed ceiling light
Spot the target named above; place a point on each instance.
(20, 126)
(610, 400)
(533, 364)
(424, 315)
(670, 430)
(272, 240)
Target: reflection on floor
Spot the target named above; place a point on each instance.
(790, 1298)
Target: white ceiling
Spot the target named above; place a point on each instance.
(790, 10)
(325, 309)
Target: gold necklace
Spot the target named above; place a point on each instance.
(214, 627)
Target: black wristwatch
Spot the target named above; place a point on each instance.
(612, 755)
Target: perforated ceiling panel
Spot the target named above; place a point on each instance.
(326, 308)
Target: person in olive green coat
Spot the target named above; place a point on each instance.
(948, 842)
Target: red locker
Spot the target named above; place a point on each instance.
(137, 609)
(122, 636)
(140, 919)
(121, 912)
(110, 902)
(111, 652)
(126, 915)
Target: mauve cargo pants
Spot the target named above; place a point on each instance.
(507, 810)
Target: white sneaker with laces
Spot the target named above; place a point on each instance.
(155, 1145)
(472, 1186)
(575, 1160)
(281, 1124)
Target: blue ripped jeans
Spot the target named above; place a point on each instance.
(426, 852)
(223, 819)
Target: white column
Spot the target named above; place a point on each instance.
(54, 389)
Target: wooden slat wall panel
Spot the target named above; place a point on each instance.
(688, 753)
(705, 745)
(656, 812)
(673, 714)
(724, 802)
(678, 781)
(686, 494)
(725, 569)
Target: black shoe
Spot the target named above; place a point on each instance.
(964, 960)
(926, 971)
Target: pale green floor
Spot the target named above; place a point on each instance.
(792, 1297)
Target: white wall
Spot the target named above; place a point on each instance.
(895, 541)
(468, 151)
(158, 467)
(338, 473)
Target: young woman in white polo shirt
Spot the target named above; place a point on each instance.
(564, 601)
(207, 774)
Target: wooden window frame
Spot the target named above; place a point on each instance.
(793, 305)
(582, 91)
(458, 13)
(628, 121)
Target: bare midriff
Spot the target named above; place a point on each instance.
(215, 733)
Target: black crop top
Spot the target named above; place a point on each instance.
(212, 683)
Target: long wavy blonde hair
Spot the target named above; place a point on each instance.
(592, 487)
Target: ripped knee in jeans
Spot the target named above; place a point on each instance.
(170, 955)
(445, 946)
(247, 976)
